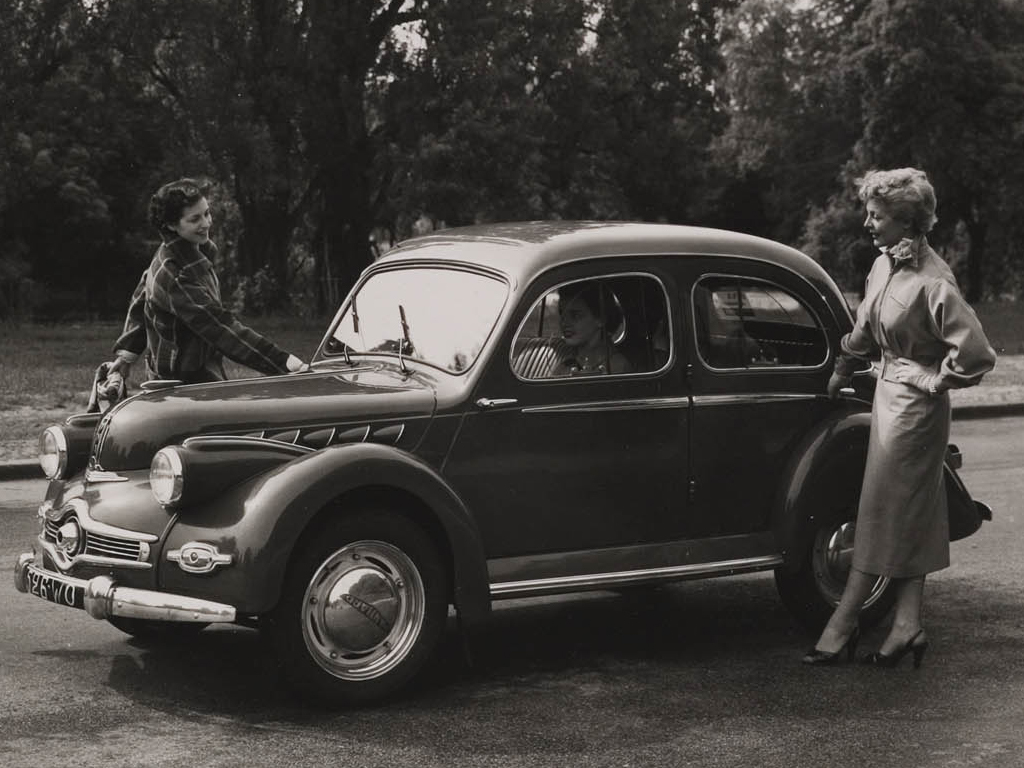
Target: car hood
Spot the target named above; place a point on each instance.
(312, 409)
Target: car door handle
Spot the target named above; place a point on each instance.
(488, 402)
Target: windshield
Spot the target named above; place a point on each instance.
(437, 316)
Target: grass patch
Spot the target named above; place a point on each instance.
(51, 366)
(1004, 325)
(47, 369)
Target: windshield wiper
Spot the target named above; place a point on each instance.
(404, 340)
(355, 329)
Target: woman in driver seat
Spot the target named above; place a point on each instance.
(590, 314)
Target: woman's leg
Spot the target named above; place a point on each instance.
(844, 619)
(907, 616)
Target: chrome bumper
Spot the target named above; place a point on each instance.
(103, 598)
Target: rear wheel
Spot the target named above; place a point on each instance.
(812, 592)
(362, 609)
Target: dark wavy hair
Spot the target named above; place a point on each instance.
(598, 298)
(168, 203)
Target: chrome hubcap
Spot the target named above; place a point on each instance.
(832, 558)
(363, 610)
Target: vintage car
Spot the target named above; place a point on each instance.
(453, 445)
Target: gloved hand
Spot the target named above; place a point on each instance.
(295, 365)
(119, 365)
(837, 382)
(916, 375)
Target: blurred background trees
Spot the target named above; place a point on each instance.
(331, 129)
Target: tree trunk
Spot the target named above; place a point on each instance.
(264, 241)
(346, 227)
(978, 232)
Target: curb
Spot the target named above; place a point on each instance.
(28, 469)
(966, 412)
(21, 469)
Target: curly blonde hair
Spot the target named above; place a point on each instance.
(905, 192)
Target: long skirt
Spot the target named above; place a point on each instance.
(902, 520)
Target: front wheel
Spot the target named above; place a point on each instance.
(813, 591)
(362, 608)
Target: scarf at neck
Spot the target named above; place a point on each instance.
(906, 251)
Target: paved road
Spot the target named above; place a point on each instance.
(700, 674)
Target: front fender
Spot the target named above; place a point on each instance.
(826, 468)
(261, 520)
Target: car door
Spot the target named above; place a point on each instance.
(552, 457)
(758, 377)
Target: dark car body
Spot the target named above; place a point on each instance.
(446, 448)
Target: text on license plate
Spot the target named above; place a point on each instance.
(49, 588)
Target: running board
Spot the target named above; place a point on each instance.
(590, 581)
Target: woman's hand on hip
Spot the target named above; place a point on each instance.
(915, 375)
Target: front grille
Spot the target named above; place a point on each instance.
(98, 544)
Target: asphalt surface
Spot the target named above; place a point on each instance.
(696, 674)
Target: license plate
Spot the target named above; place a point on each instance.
(54, 589)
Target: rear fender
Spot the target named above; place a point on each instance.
(965, 514)
(827, 469)
(261, 520)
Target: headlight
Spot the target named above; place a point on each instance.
(53, 452)
(167, 476)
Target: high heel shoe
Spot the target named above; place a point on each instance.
(814, 656)
(916, 645)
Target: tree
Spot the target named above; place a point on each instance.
(587, 109)
(793, 116)
(938, 85)
(72, 138)
(941, 91)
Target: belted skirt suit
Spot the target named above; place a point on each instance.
(912, 309)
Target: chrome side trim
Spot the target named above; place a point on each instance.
(642, 404)
(601, 580)
(103, 476)
(390, 434)
(353, 435)
(246, 441)
(750, 398)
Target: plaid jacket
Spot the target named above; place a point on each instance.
(176, 313)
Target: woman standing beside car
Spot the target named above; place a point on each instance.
(176, 311)
(915, 322)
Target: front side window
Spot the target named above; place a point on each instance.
(747, 323)
(597, 327)
(441, 317)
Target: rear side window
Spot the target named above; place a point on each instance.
(611, 325)
(745, 323)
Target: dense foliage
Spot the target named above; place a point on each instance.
(332, 128)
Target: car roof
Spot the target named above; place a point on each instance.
(522, 250)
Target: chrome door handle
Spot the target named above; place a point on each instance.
(487, 402)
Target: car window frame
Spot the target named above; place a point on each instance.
(666, 295)
(321, 355)
(821, 327)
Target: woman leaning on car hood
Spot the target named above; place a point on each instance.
(928, 340)
(175, 315)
